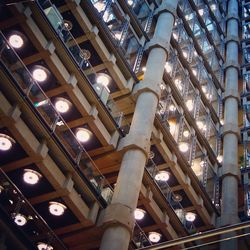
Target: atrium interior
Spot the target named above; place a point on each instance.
(124, 124)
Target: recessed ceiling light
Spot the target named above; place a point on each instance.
(103, 79)
(190, 104)
(100, 6)
(183, 146)
(56, 208)
(44, 246)
(162, 176)
(6, 142)
(62, 105)
(139, 213)
(16, 41)
(31, 176)
(189, 216)
(118, 35)
(172, 107)
(39, 74)
(154, 237)
(201, 12)
(130, 2)
(186, 133)
(168, 67)
(83, 134)
(20, 219)
(177, 197)
(220, 158)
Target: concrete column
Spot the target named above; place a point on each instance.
(119, 216)
(229, 209)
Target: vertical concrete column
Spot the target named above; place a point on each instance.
(229, 209)
(119, 216)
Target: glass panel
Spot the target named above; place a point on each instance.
(14, 206)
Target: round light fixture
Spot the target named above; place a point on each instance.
(168, 67)
(139, 213)
(201, 12)
(185, 54)
(6, 142)
(172, 108)
(118, 35)
(204, 89)
(186, 133)
(189, 216)
(190, 104)
(130, 2)
(154, 237)
(172, 126)
(178, 84)
(200, 124)
(103, 79)
(162, 176)
(20, 219)
(83, 134)
(62, 105)
(100, 6)
(44, 246)
(67, 25)
(31, 176)
(183, 146)
(177, 197)
(40, 74)
(56, 208)
(220, 158)
(16, 41)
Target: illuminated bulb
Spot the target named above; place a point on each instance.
(200, 124)
(213, 7)
(83, 134)
(183, 146)
(201, 12)
(186, 133)
(190, 216)
(103, 79)
(172, 108)
(139, 213)
(62, 105)
(162, 86)
(154, 237)
(190, 105)
(44, 246)
(16, 41)
(194, 72)
(185, 54)
(31, 177)
(39, 75)
(204, 89)
(162, 176)
(168, 67)
(130, 2)
(5, 142)
(172, 126)
(143, 69)
(118, 35)
(175, 36)
(220, 158)
(202, 163)
(56, 208)
(178, 84)
(99, 6)
(20, 219)
(222, 121)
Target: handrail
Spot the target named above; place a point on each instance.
(200, 236)
(58, 116)
(5, 185)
